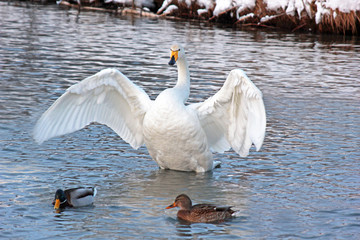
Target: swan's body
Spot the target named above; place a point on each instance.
(177, 136)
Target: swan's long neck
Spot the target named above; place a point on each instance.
(183, 82)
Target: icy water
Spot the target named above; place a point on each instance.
(303, 184)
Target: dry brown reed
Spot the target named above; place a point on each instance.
(340, 22)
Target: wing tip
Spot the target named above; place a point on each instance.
(258, 146)
(239, 71)
(36, 136)
(247, 86)
(108, 70)
(38, 139)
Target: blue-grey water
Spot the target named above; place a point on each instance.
(303, 184)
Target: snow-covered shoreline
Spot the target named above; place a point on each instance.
(323, 16)
(334, 16)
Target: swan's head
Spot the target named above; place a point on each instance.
(177, 52)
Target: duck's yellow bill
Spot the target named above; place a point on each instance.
(57, 204)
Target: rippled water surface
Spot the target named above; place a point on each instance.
(304, 183)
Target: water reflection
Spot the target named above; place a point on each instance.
(165, 185)
(200, 230)
(177, 182)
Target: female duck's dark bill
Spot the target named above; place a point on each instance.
(171, 206)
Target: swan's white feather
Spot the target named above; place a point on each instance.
(234, 116)
(107, 97)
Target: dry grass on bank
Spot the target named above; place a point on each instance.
(343, 23)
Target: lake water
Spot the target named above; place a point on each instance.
(303, 184)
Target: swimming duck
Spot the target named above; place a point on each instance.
(74, 197)
(204, 213)
(177, 136)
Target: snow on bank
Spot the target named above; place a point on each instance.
(291, 7)
(334, 16)
(324, 15)
(343, 5)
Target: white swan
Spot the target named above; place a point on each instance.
(177, 136)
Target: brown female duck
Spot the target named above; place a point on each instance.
(204, 213)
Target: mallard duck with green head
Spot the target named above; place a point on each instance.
(74, 197)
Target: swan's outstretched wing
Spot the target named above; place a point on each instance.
(107, 97)
(235, 116)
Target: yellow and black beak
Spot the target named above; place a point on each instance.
(174, 56)
(57, 204)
